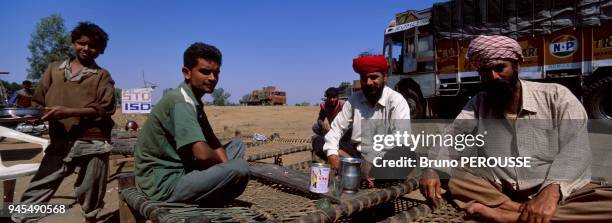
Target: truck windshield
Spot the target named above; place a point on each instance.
(394, 46)
(409, 52)
(425, 56)
(401, 50)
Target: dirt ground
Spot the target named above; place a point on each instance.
(288, 121)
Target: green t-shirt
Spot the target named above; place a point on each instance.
(174, 122)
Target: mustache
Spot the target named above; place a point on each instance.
(499, 92)
(499, 85)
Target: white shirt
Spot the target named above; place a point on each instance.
(390, 110)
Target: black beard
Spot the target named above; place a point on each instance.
(373, 94)
(499, 93)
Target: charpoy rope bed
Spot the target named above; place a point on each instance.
(267, 200)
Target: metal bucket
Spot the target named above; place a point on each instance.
(350, 173)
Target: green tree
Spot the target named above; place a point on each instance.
(366, 53)
(302, 104)
(344, 85)
(345, 89)
(6, 91)
(117, 94)
(245, 99)
(49, 42)
(220, 97)
(11, 87)
(166, 91)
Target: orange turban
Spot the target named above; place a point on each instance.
(369, 64)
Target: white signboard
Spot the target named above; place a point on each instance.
(136, 100)
(407, 26)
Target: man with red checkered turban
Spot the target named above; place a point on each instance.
(543, 123)
(375, 105)
(486, 49)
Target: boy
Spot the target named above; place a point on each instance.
(78, 96)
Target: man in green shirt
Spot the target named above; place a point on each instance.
(178, 157)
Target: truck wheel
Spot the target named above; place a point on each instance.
(414, 102)
(598, 100)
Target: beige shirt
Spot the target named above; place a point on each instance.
(551, 128)
(391, 110)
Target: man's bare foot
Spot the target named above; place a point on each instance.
(496, 214)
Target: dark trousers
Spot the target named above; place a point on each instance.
(217, 184)
(89, 188)
(318, 140)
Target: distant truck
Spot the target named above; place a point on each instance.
(266, 96)
(4, 95)
(565, 42)
(344, 90)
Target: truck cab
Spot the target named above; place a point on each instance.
(562, 42)
(409, 49)
(278, 97)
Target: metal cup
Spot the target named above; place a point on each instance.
(350, 173)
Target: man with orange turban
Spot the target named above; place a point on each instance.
(374, 104)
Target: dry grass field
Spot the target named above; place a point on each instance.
(288, 121)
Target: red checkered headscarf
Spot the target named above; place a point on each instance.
(485, 49)
(369, 64)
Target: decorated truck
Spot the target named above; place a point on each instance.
(563, 41)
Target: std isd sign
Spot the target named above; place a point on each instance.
(137, 100)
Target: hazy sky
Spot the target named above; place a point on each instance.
(302, 46)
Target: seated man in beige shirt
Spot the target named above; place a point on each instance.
(543, 121)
